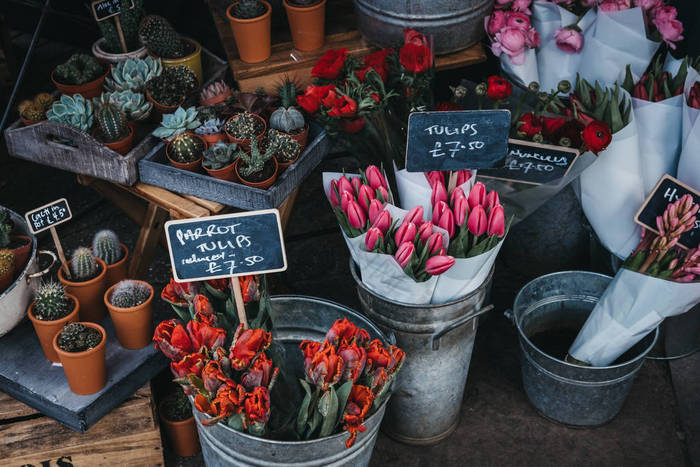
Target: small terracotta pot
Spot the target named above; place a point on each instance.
(182, 435)
(86, 371)
(88, 293)
(244, 143)
(252, 36)
(123, 146)
(87, 90)
(134, 326)
(21, 252)
(265, 184)
(300, 138)
(109, 58)
(117, 272)
(284, 165)
(211, 140)
(192, 61)
(160, 109)
(7, 279)
(225, 173)
(26, 122)
(216, 99)
(189, 166)
(47, 330)
(307, 24)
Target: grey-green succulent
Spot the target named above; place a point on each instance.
(129, 293)
(133, 104)
(133, 74)
(220, 155)
(177, 123)
(210, 127)
(75, 111)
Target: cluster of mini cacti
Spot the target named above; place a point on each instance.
(210, 127)
(220, 155)
(83, 265)
(6, 227)
(287, 118)
(51, 302)
(214, 89)
(75, 111)
(79, 69)
(35, 110)
(128, 294)
(112, 123)
(172, 85)
(287, 148)
(176, 123)
(186, 148)
(158, 35)
(7, 261)
(129, 19)
(248, 9)
(105, 245)
(133, 104)
(254, 162)
(133, 74)
(76, 337)
(244, 125)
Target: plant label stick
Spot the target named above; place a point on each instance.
(105, 9)
(48, 217)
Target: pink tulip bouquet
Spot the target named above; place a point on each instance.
(418, 188)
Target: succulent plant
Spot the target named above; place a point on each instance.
(248, 9)
(76, 337)
(51, 302)
(34, 113)
(79, 69)
(254, 162)
(207, 112)
(252, 103)
(220, 155)
(75, 111)
(210, 127)
(176, 123)
(112, 123)
(214, 89)
(7, 261)
(83, 266)
(172, 86)
(128, 294)
(176, 406)
(244, 125)
(160, 37)
(44, 100)
(186, 148)
(105, 245)
(129, 19)
(287, 118)
(133, 74)
(287, 148)
(133, 104)
(6, 227)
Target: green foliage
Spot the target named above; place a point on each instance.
(51, 302)
(133, 104)
(7, 261)
(129, 20)
(79, 69)
(172, 86)
(177, 123)
(76, 337)
(112, 123)
(248, 9)
(75, 111)
(287, 149)
(105, 245)
(160, 37)
(186, 148)
(611, 106)
(128, 294)
(133, 74)
(220, 155)
(83, 265)
(244, 125)
(254, 162)
(6, 227)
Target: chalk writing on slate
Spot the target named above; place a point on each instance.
(665, 192)
(225, 246)
(533, 163)
(103, 9)
(469, 139)
(49, 215)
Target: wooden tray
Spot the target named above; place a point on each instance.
(154, 169)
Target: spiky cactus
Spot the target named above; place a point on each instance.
(160, 37)
(112, 123)
(244, 125)
(7, 261)
(287, 149)
(248, 9)
(34, 113)
(287, 118)
(128, 294)
(105, 245)
(76, 337)
(172, 86)
(186, 148)
(79, 69)
(51, 302)
(83, 265)
(44, 100)
(254, 163)
(6, 227)
(129, 19)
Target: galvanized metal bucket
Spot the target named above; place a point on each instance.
(296, 318)
(563, 392)
(438, 341)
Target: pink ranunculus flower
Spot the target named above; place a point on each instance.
(495, 22)
(510, 41)
(647, 4)
(664, 13)
(522, 6)
(569, 40)
(438, 264)
(671, 31)
(532, 38)
(517, 20)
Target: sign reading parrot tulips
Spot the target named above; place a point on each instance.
(456, 140)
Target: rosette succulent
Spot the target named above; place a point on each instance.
(177, 123)
(217, 88)
(133, 74)
(210, 127)
(219, 156)
(75, 111)
(133, 104)
(79, 69)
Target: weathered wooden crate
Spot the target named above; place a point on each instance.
(85, 155)
(154, 169)
(128, 436)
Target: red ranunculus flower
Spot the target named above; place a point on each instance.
(191, 364)
(551, 125)
(310, 101)
(498, 88)
(416, 58)
(378, 61)
(172, 339)
(246, 345)
(354, 358)
(204, 335)
(330, 65)
(326, 367)
(411, 36)
(343, 106)
(260, 373)
(597, 136)
(529, 124)
(213, 377)
(257, 405)
(352, 126)
(358, 406)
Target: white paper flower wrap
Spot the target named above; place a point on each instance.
(689, 161)
(522, 74)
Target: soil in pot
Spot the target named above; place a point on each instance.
(81, 350)
(89, 293)
(176, 415)
(130, 305)
(21, 246)
(307, 24)
(263, 179)
(252, 35)
(46, 329)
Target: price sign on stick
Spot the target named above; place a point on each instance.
(104, 9)
(48, 217)
(469, 139)
(225, 246)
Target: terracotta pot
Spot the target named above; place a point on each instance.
(182, 435)
(47, 330)
(26, 122)
(192, 61)
(189, 166)
(244, 143)
(211, 140)
(252, 36)
(117, 272)
(21, 252)
(7, 279)
(86, 371)
(307, 24)
(88, 293)
(300, 137)
(265, 184)
(123, 146)
(134, 326)
(284, 165)
(159, 109)
(224, 173)
(216, 99)
(87, 90)
(109, 58)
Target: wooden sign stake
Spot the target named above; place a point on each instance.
(240, 306)
(59, 249)
(120, 32)
(452, 183)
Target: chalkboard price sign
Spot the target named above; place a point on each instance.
(49, 215)
(469, 139)
(665, 192)
(533, 163)
(225, 246)
(103, 9)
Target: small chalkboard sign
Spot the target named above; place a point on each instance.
(456, 140)
(533, 163)
(226, 246)
(665, 192)
(103, 9)
(49, 215)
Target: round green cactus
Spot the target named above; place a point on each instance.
(105, 245)
(51, 302)
(160, 37)
(79, 69)
(186, 148)
(112, 123)
(83, 265)
(128, 294)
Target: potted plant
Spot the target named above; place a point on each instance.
(107, 247)
(168, 90)
(257, 169)
(215, 93)
(163, 41)
(75, 111)
(81, 74)
(7, 269)
(112, 129)
(185, 152)
(34, 110)
(250, 24)
(179, 122)
(81, 349)
(133, 105)
(109, 49)
(307, 20)
(133, 74)
(176, 415)
(287, 150)
(51, 309)
(287, 118)
(211, 131)
(87, 283)
(130, 305)
(243, 127)
(219, 161)
(20, 245)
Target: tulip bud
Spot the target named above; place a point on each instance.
(477, 220)
(456, 194)
(356, 216)
(375, 207)
(334, 193)
(477, 195)
(415, 215)
(383, 194)
(435, 243)
(447, 222)
(344, 185)
(356, 184)
(425, 230)
(372, 237)
(383, 221)
(439, 194)
(404, 253)
(492, 200)
(461, 209)
(345, 198)
(436, 265)
(463, 176)
(442, 252)
(438, 209)
(364, 196)
(497, 222)
(406, 233)
(435, 177)
(375, 178)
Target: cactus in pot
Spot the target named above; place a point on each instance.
(133, 74)
(244, 126)
(83, 265)
(133, 104)
(111, 123)
(172, 86)
(177, 123)
(287, 118)
(51, 302)
(161, 39)
(75, 111)
(76, 337)
(210, 127)
(7, 261)
(44, 100)
(219, 156)
(253, 165)
(79, 69)
(129, 293)
(186, 148)
(214, 93)
(248, 9)
(129, 19)
(287, 149)
(105, 245)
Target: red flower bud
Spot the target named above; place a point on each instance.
(356, 184)
(497, 222)
(415, 215)
(365, 195)
(425, 230)
(375, 178)
(435, 243)
(439, 194)
(356, 216)
(461, 208)
(492, 200)
(383, 194)
(438, 210)
(477, 195)
(375, 207)
(404, 253)
(477, 220)
(344, 185)
(383, 221)
(457, 193)
(372, 237)
(463, 176)
(435, 177)
(405, 233)
(436, 265)
(447, 221)
(333, 196)
(345, 199)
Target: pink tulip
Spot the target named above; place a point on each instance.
(344, 185)
(438, 209)
(517, 20)
(383, 221)
(375, 207)
(442, 252)
(495, 22)
(447, 222)
(345, 198)
(372, 237)
(435, 177)
(438, 264)
(477, 195)
(461, 208)
(439, 194)
(415, 215)
(456, 194)
(375, 178)
(497, 222)
(364, 196)
(510, 41)
(334, 190)
(425, 230)
(477, 221)
(404, 253)
(435, 243)
(356, 216)
(463, 177)
(356, 184)
(406, 233)
(383, 194)
(492, 200)
(569, 40)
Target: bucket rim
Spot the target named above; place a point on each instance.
(522, 336)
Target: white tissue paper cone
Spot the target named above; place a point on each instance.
(465, 276)
(689, 161)
(611, 191)
(672, 65)
(326, 178)
(632, 306)
(659, 128)
(522, 74)
(554, 65)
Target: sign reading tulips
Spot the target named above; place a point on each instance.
(469, 139)
(225, 246)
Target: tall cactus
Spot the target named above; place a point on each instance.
(83, 265)
(162, 40)
(128, 294)
(129, 19)
(112, 122)
(51, 302)
(105, 245)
